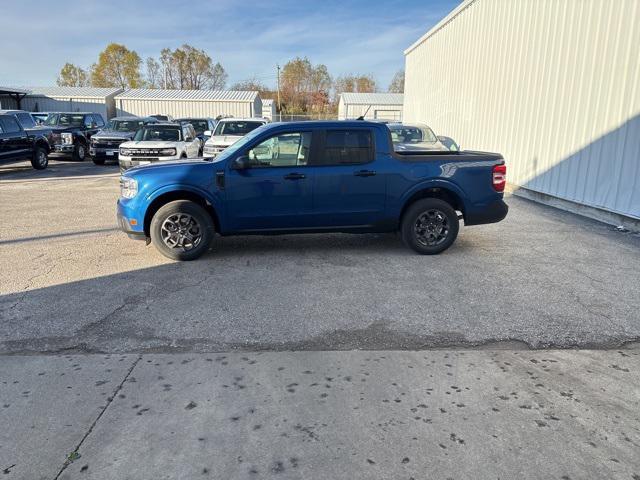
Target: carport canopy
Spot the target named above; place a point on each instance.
(16, 93)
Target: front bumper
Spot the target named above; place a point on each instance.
(491, 213)
(125, 216)
(63, 148)
(108, 153)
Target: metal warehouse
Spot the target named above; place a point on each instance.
(373, 106)
(268, 108)
(189, 103)
(553, 86)
(67, 99)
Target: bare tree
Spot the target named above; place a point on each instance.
(154, 73)
(397, 84)
(187, 67)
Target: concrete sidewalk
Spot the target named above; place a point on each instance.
(329, 415)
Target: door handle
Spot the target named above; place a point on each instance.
(364, 173)
(295, 176)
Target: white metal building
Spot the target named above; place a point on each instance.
(67, 99)
(268, 108)
(553, 86)
(188, 103)
(373, 106)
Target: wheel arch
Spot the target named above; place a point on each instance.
(443, 191)
(180, 194)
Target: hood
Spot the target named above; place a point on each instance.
(225, 140)
(420, 147)
(148, 144)
(114, 134)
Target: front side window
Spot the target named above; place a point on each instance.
(98, 120)
(88, 121)
(344, 147)
(166, 133)
(283, 150)
(26, 120)
(66, 120)
(52, 119)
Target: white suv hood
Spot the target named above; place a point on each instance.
(223, 140)
(148, 144)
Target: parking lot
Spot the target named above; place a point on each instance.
(72, 282)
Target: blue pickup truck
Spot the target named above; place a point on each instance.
(335, 176)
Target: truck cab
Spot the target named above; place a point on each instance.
(16, 143)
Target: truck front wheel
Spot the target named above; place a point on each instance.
(430, 226)
(40, 159)
(79, 152)
(182, 230)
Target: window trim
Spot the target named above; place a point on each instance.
(313, 133)
(323, 140)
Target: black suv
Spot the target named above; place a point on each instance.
(72, 132)
(18, 144)
(105, 143)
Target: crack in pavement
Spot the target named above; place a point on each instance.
(110, 400)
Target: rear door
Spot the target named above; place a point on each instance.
(15, 142)
(349, 188)
(276, 192)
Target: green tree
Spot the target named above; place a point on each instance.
(397, 84)
(72, 76)
(117, 66)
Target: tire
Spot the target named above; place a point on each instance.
(430, 226)
(98, 161)
(80, 152)
(174, 215)
(40, 158)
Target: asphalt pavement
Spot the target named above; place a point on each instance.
(72, 282)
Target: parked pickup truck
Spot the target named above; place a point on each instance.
(18, 143)
(72, 132)
(312, 177)
(105, 144)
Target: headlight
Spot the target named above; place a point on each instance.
(67, 138)
(167, 152)
(125, 151)
(128, 187)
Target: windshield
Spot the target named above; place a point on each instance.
(412, 134)
(199, 125)
(124, 125)
(164, 133)
(240, 144)
(236, 128)
(65, 120)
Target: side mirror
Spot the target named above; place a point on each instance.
(241, 163)
(207, 133)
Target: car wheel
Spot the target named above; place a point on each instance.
(430, 226)
(40, 159)
(80, 152)
(98, 161)
(182, 230)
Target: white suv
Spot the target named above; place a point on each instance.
(157, 142)
(228, 131)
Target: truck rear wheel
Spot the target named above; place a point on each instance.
(182, 230)
(430, 226)
(40, 158)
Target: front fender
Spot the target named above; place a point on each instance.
(213, 198)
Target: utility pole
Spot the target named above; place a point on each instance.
(279, 106)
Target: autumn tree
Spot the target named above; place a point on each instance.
(154, 73)
(354, 83)
(117, 66)
(189, 68)
(304, 87)
(72, 76)
(397, 84)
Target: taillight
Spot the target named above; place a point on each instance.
(499, 177)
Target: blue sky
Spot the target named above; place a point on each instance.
(248, 38)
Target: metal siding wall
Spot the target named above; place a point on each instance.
(351, 112)
(551, 85)
(183, 108)
(57, 104)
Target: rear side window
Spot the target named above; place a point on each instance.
(9, 124)
(343, 147)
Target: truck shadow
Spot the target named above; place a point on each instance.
(58, 168)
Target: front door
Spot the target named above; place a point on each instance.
(350, 186)
(276, 191)
(14, 142)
